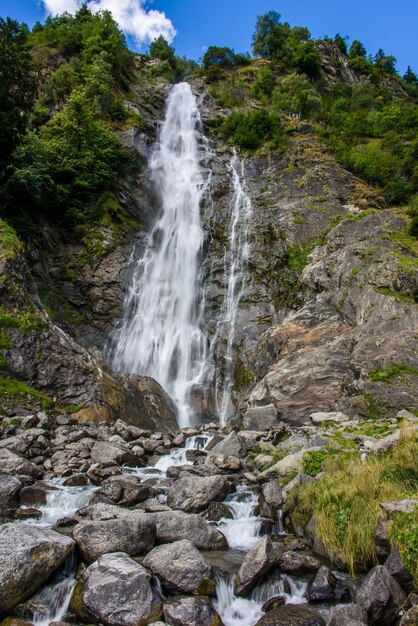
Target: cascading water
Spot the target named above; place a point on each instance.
(235, 264)
(243, 529)
(160, 335)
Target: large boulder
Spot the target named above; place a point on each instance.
(398, 570)
(122, 490)
(176, 525)
(181, 568)
(112, 454)
(133, 534)
(351, 615)
(380, 596)
(292, 615)
(35, 495)
(119, 592)
(101, 512)
(298, 564)
(28, 556)
(230, 446)
(191, 612)
(257, 563)
(11, 463)
(9, 491)
(270, 500)
(194, 493)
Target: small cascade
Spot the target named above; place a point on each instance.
(55, 598)
(160, 335)
(62, 502)
(243, 530)
(236, 611)
(235, 264)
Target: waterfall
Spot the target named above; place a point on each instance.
(160, 335)
(235, 264)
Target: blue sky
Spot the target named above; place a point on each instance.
(390, 25)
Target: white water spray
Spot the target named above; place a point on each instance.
(235, 265)
(160, 334)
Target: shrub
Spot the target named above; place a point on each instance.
(249, 131)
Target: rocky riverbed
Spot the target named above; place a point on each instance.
(120, 526)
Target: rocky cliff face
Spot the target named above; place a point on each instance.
(327, 320)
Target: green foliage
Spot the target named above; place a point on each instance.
(297, 257)
(264, 86)
(16, 87)
(341, 43)
(224, 58)
(25, 322)
(403, 533)
(12, 390)
(249, 131)
(346, 500)
(9, 241)
(295, 95)
(306, 60)
(313, 462)
(387, 375)
(171, 67)
(357, 49)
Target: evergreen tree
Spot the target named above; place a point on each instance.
(357, 49)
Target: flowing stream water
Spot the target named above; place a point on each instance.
(161, 332)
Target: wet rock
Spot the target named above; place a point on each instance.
(76, 480)
(119, 592)
(381, 596)
(292, 615)
(191, 612)
(9, 491)
(352, 615)
(322, 588)
(273, 603)
(28, 556)
(270, 500)
(298, 564)
(193, 493)
(257, 563)
(398, 570)
(230, 446)
(176, 525)
(122, 490)
(35, 495)
(133, 534)
(181, 568)
(112, 454)
(218, 510)
(26, 514)
(11, 463)
(381, 540)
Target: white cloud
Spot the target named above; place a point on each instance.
(131, 15)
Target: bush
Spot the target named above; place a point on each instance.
(249, 131)
(296, 96)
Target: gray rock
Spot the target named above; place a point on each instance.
(398, 570)
(112, 454)
(122, 490)
(181, 568)
(270, 500)
(230, 446)
(176, 525)
(133, 534)
(119, 592)
(328, 416)
(28, 557)
(410, 618)
(290, 463)
(193, 493)
(224, 462)
(401, 506)
(219, 510)
(298, 564)
(261, 417)
(257, 563)
(380, 596)
(322, 588)
(11, 463)
(352, 615)
(191, 612)
(9, 491)
(35, 495)
(100, 512)
(292, 615)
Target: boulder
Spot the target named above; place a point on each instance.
(9, 491)
(270, 500)
(122, 490)
(35, 495)
(194, 493)
(119, 592)
(257, 563)
(28, 557)
(292, 615)
(398, 570)
(133, 534)
(322, 588)
(108, 454)
(298, 564)
(11, 463)
(261, 417)
(101, 512)
(380, 596)
(176, 525)
(289, 464)
(181, 568)
(401, 506)
(191, 612)
(328, 416)
(230, 446)
(224, 462)
(219, 510)
(351, 615)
